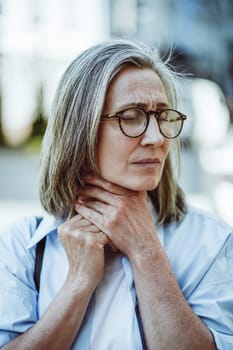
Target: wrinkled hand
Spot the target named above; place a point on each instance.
(84, 245)
(123, 215)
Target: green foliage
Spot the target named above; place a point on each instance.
(40, 120)
(38, 125)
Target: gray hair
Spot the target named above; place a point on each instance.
(71, 136)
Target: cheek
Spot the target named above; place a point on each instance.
(107, 149)
(111, 163)
(113, 152)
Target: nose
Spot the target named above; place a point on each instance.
(152, 134)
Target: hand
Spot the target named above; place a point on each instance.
(84, 245)
(123, 215)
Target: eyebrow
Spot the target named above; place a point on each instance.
(162, 105)
(143, 105)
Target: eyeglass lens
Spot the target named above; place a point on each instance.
(135, 121)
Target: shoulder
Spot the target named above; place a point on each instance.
(28, 231)
(19, 232)
(194, 244)
(199, 227)
(14, 240)
(207, 280)
(204, 226)
(18, 296)
(18, 242)
(208, 230)
(206, 217)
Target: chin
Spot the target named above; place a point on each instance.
(142, 186)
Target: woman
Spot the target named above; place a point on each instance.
(126, 265)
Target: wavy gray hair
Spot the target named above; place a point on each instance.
(70, 140)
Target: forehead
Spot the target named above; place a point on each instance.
(134, 85)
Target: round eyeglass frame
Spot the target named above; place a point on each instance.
(157, 114)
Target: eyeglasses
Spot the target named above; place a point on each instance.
(134, 122)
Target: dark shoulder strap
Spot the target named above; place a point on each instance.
(39, 257)
(140, 326)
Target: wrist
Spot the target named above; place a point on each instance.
(78, 288)
(147, 257)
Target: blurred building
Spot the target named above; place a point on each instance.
(37, 40)
(199, 34)
(201, 31)
(39, 37)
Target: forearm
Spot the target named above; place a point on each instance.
(59, 325)
(168, 321)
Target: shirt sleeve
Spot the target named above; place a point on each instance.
(18, 296)
(212, 299)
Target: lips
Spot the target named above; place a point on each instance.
(148, 161)
(148, 164)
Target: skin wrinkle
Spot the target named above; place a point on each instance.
(154, 280)
(117, 152)
(114, 210)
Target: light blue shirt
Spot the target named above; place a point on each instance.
(199, 248)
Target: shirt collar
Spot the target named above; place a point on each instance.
(47, 226)
(50, 223)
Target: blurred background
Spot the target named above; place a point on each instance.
(39, 38)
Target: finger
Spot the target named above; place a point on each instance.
(78, 220)
(95, 198)
(101, 195)
(91, 215)
(95, 192)
(76, 224)
(94, 216)
(112, 246)
(108, 186)
(102, 239)
(93, 228)
(94, 239)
